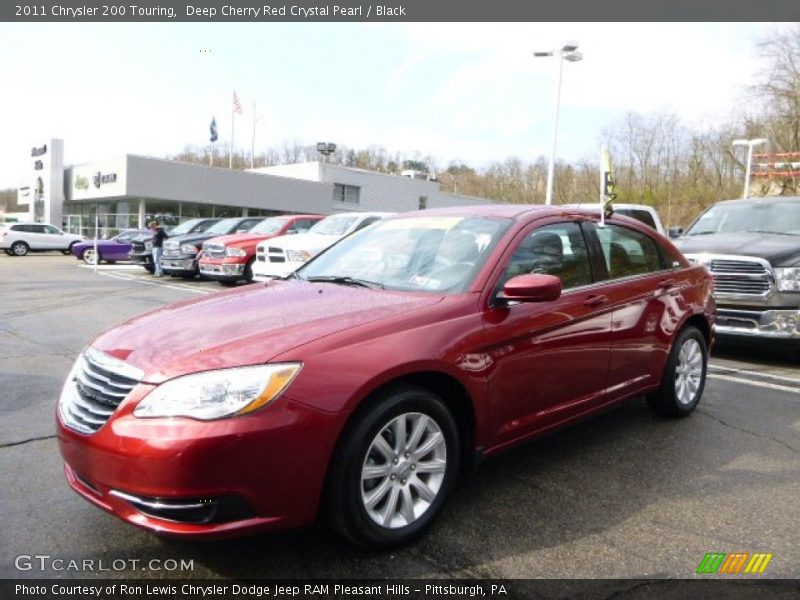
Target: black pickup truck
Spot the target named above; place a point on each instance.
(752, 248)
(142, 245)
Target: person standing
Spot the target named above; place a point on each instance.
(159, 235)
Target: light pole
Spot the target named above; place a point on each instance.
(750, 144)
(326, 149)
(568, 51)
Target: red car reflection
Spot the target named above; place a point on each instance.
(364, 384)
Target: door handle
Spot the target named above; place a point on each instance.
(666, 283)
(597, 300)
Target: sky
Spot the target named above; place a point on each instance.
(466, 92)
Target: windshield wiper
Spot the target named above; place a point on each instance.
(345, 280)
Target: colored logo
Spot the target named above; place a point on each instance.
(737, 562)
(81, 183)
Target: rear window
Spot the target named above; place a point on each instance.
(643, 216)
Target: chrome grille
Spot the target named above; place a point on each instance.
(214, 250)
(95, 388)
(740, 277)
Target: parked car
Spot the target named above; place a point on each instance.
(110, 250)
(752, 248)
(230, 258)
(17, 239)
(279, 257)
(361, 386)
(181, 252)
(641, 212)
(142, 246)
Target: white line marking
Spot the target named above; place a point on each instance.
(755, 374)
(762, 384)
(156, 283)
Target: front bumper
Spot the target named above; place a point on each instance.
(179, 265)
(142, 258)
(221, 271)
(258, 472)
(781, 324)
(267, 271)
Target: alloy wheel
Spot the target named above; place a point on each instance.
(403, 470)
(688, 372)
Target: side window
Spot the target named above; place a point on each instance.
(559, 249)
(628, 252)
(51, 229)
(37, 229)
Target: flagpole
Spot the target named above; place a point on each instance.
(230, 153)
(253, 144)
(211, 156)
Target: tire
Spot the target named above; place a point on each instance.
(248, 271)
(19, 248)
(684, 376)
(404, 503)
(88, 256)
(150, 268)
(68, 251)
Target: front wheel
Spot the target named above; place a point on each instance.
(89, 256)
(684, 376)
(393, 469)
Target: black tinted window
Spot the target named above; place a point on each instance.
(628, 252)
(558, 249)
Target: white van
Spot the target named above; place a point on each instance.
(17, 239)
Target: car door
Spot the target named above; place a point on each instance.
(643, 295)
(36, 238)
(54, 238)
(549, 359)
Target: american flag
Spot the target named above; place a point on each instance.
(237, 107)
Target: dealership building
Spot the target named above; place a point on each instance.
(126, 192)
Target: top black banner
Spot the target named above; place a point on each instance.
(266, 11)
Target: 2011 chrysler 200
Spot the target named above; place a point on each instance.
(360, 387)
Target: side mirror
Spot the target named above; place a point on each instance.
(531, 288)
(675, 232)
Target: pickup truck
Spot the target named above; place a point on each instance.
(752, 248)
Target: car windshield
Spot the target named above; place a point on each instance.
(438, 254)
(185, 227)
(760, 217)
(337, 225)
(268, 226)
(223, 226)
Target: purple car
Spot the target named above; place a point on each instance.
(116, 248)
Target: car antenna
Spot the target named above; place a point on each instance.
(608, 186)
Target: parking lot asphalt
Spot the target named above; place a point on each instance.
(625, 494)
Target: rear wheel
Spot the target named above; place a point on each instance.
(684, 376)
(19, 248)
(393, 469)
(150, 268)
(68, 251)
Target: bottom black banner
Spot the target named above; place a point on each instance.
(442, 589)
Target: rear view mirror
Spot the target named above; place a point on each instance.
(675, 232)
(531, 288)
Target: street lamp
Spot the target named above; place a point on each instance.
(326, 149)
(568, 51)
(750, 144)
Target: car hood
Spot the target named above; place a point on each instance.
(778, 250)
(191, 238)
(248, 326)
(305, 241)
(236, 239)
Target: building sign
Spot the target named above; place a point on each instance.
(43, 190)
(81, 183)
(99, 179)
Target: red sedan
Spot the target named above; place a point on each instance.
(364, 384)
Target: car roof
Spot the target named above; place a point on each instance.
(764, 199)
(508, 211)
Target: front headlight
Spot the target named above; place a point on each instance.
(788, 279)
(216, 394)
(235, 252)
(188, 249)
(297, 255)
